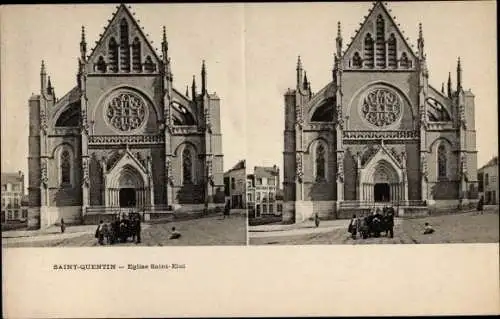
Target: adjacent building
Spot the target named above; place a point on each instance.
(123, 137)
(235, 185)
(378, 133)
(12, 197)
(263, 192)
(488, 182)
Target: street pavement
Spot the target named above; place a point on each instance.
(212, 230)
(469, 227)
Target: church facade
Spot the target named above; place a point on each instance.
(123, 137)
(378, 133)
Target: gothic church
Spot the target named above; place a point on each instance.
(378, 133)
(123, 137)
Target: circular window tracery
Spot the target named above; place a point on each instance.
(381, 107)
(126, 111)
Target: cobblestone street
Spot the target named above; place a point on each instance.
(207, 231)
(458, 228)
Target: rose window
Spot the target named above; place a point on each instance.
(381, 107)
(126, 111)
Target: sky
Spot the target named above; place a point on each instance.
(251, 53)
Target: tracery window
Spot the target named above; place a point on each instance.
(368, 51)
(126, 111)
(136, 55)
(356, 60)
(149, 66)
(442, 161)
(124, 47)
(320, 163)
(113, 55)
(187, 166)
(101, 65)
(391, 46)
(65, 167)
(405, 62)
(380, 42)
(381, 107)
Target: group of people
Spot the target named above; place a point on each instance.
(120, 229)
(377, 216)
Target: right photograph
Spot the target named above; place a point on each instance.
(364, 135)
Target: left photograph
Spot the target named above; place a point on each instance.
(123, 142)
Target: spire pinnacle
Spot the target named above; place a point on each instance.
(339, 39)
(193, 88)
(42, 69)
(83, 45)
(449, 84)
(442, 87)
(299, 63)
(459, 75)
(305, 81)
(187, 90)
(203, 77)
(164, 45)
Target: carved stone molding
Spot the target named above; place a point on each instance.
(340, 167)
(299, 172)
(423, 166)
(85, 169)
(386, 135)
(185, 129)
(43, 119)
(44, 177)
(126, 139)
(66, 131)
(319, 127)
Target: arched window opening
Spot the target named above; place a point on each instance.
(65, 168)
(136, 55)
(149, 66)
(324, 112)
(187, 166)
(442, 161)
(70, 116)
(113, 55)
(405, 62)
(124, 47)
(368, 52)
(320, 163)
(380, 42)
(391, 46)
(356, 60)
(101, 65)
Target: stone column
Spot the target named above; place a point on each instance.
(340, 176)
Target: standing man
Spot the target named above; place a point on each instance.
(63, 226)
(137, 222)
(99, 234)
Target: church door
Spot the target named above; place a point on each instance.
(382, 192)
(127, 197)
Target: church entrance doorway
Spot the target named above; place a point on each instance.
(127, 197)
(382, 192)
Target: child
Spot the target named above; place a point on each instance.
(175, 234)
(428, 229)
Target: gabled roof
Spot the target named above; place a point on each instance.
(380, 8)
(127, 156)
(12, 178)
(240, 165)
(114, 22)
(263, 171)
(491, 162)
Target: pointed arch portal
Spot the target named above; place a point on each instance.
(382, 179)
(128, 184)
